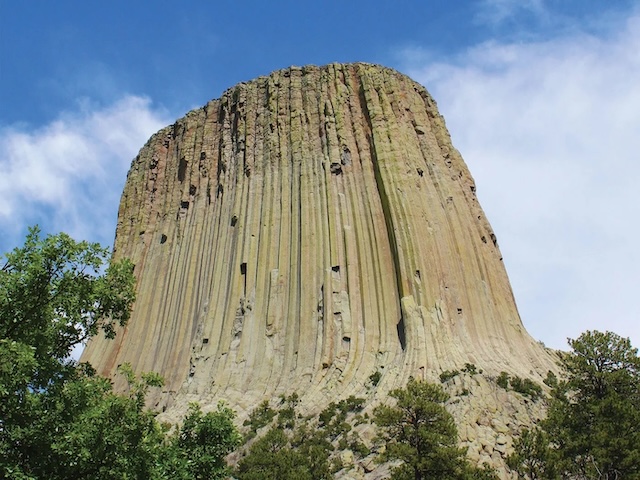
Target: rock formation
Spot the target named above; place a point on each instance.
(304, 231)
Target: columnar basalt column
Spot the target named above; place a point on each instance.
(302, 232)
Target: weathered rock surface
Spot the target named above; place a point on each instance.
(309, 229)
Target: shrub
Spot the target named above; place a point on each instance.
(448, 375)
(375, 377)
(551, 380)
(503, 380)
(470, 368)
(526, 387)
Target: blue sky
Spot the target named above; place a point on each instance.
(542, 98)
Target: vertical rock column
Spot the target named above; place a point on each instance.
(302, 232)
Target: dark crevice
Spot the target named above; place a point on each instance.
(386, 209)
(401, 334)
(336, 168)
(182, 169)
(243, 272)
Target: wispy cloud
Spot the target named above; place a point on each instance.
(495, 12)
(68, 175)
(550, 132)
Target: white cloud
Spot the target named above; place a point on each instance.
(550, 132)
(68, 175)
(495, 12)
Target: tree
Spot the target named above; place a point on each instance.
(592, 430)
(109, 435)
(53, 296)
(420, 432)
(58, 419)
(272, 458)
(533, 457)
(200, 446)
(594, 416)
(288, 451)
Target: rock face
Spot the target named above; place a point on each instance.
(304, 231)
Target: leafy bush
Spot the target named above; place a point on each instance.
(448, 375)
(551, 380)
(275, 457)
(333, 418)
(470, 368)
(503, 380)
(287, 413)
(351, 404)
(524, 386)
(199, 448)
(258, 418)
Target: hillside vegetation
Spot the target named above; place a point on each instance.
(59, 420)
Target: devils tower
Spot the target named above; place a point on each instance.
(302, 232)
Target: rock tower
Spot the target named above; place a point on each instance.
(304, 231)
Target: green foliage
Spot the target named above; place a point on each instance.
(351, 404)
(258, 418)
(503, 380)
(58, 420)
(375, 377)
(114, 437)
(355, 444)
(422, 434)
(525, 386)
(272, 457)
(470, 368)
(533, 457)
(281, 454)
(448, 375)
(81, 429)
(138, 387)
(592, 430)
(333, 418)
(551, 380)
(287, 412)
(53, 296)
(594, 416)
(199, 449)
(306, 449)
